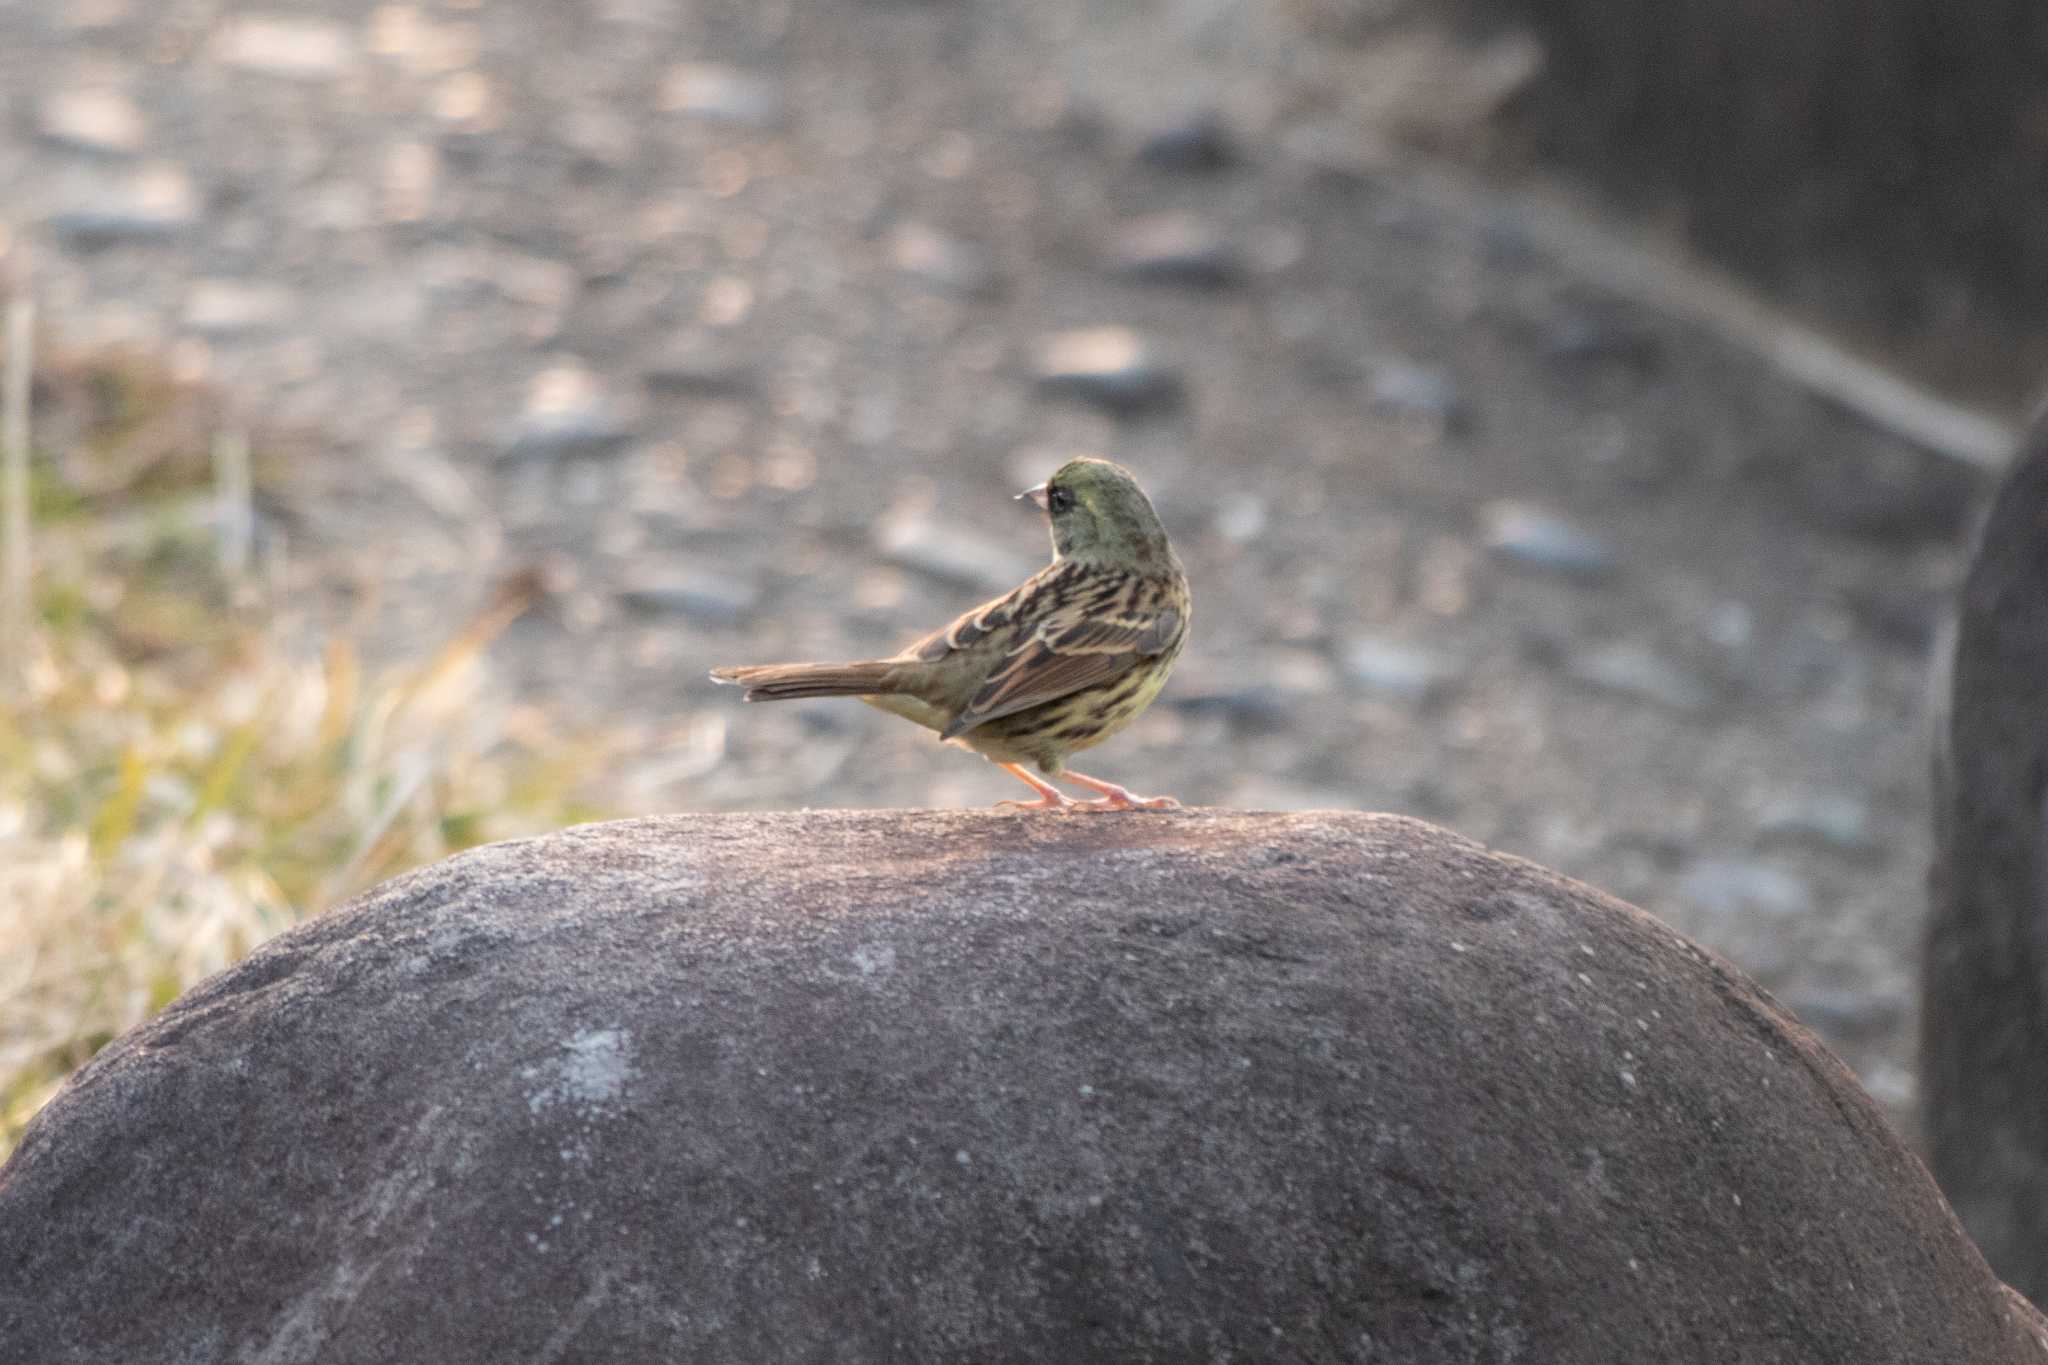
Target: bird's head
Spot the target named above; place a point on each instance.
(1098, 513)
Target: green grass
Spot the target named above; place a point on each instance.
(179, 783)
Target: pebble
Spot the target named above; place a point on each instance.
(1631, 669)
(1111, 367)
(156, 206)
(567, 413)
(1260, 707)
(1393, 668)
(602, 137)
(1582, 336)
(701, 368)
(1891, 1085)
(1299, 671)
(92, 119)
(1199, 144)
(1740, 888)
(957, 558)
(1409, 389)
(1529, 535)
(721, 94)
(225, 308)
(1241, 518)
(952, 263)
(284, 45)
(712, 599)
(1831, 820)
(1176, 249)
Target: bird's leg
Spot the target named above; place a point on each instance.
(1049, 797)
(1118, 798)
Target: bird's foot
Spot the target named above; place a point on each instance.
(1049, 797)
(1053, 801)
(1118, 798)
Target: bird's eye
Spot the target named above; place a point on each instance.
(1058, 499)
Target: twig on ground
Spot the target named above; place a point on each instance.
(1677, 286)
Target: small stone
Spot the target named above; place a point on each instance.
(418, 43)
(702, 368)
(1529, 535)
(1197, 145)
(1300, 671)
(601, 136)
(1175, 248)
(1111, 367)
(1631, 669)
(567, 413)
(1583, 336)
(1409, 389)
(1241, 518)
(1740, 889)
(1394, 669)
(712, 599)
(92, 119)
(224, 308)
(1730, 624)
(1892, 1086)
(721, 94)
(961, 559)
(923, 253)
(1830, 820)
(284, 45)
(1258, 708)
(156, 206)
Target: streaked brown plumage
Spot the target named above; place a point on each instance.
(1058, 664)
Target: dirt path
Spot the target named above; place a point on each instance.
(735, 316)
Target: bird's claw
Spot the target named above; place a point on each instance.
(1113, 797)
(1053, 801)
(1119, 798)
(1129, 803)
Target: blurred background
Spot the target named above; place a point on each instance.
(1571, 414)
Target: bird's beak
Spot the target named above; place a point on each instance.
(1037, 495)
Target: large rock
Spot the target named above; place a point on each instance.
(1984, 1032)
(966, 1087)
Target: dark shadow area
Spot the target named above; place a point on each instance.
(1883, 161)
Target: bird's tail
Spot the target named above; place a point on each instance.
(782, 682)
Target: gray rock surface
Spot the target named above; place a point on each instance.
(1984, 1031)
(958, 1086)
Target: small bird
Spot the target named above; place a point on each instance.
(1059, 663)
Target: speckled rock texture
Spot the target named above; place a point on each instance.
(1984, 1028)
(972, 1087)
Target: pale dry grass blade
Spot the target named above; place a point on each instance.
(16, 562)
(234, 503)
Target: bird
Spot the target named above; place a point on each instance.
(1058, 664)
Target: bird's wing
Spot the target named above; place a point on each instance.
(1076, 646)
(970, 626)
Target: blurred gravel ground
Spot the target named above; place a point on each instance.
(745, 319)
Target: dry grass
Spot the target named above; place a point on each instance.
(176, 783)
